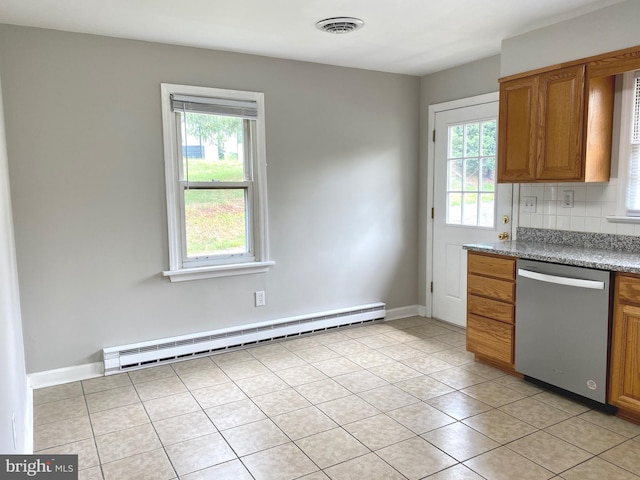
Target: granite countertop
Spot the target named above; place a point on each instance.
(601, 251)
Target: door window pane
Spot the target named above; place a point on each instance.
(454, 177)
(454, 208)
(488, 177)
(487, 210)
(489, 138)
(472, 139)
(470, 209)
(456, 141)
(471, 174)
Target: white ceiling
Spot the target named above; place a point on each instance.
(414, 37)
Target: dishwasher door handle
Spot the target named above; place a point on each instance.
(569, 281)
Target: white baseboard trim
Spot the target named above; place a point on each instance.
(422, 311)
(402, 312)
(28, 435)
(65, 375)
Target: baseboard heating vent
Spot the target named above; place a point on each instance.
(169, 350)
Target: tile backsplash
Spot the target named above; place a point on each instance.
(592, 202)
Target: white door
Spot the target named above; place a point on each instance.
(469, 206)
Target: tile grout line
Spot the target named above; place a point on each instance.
(275, 369)
(93, 438)
(164, 450)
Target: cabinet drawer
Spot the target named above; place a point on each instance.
(485, 307)
(490, 338)
(628, 289)
(491, 266)
(491, 287)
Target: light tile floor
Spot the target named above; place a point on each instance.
(385, 400)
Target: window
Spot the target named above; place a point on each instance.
(216, 182)
(629, 164)
(471, 174)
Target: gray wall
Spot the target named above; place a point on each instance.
(605, 30)
(87, 177)
(14, 399)
(475, 78)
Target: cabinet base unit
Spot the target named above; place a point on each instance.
(490, 309)
(624, 385)
(490, 338)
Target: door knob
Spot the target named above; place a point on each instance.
(505, 219)
(503, 236)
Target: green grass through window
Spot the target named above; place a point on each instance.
(215, 219)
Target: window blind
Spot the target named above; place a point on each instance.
(633, 182)
(214, 106)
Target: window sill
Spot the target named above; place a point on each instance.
(200, 273)
(622, 219)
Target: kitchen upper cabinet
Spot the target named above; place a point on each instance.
(560, 120)
(491, 308)
(624, 381)
(546, 124)
(518, 119)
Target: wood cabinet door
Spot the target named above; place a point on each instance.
(624, 388)
(491, 288)
(560, 124)
(517, 123)
(490, 308)
(491, 266)
(490, 338)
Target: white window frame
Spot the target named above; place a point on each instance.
(257, 260)
(623, 215)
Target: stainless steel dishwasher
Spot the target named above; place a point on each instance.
(562, 327)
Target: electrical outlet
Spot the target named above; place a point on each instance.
(567, 198)
(529, 204)
(260, 298)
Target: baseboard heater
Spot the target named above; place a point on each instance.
(168, 350)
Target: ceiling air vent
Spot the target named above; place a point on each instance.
(340, 24)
